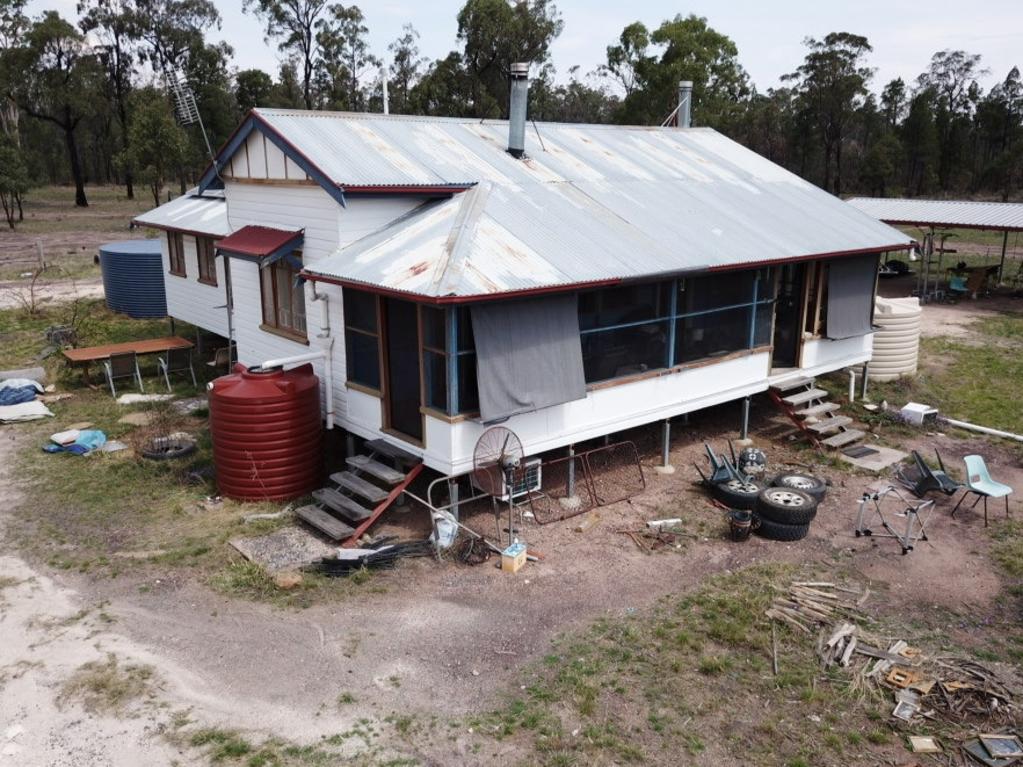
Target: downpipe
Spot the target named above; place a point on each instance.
(327, 355)
(980, 429)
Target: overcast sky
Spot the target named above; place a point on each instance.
(769, 35)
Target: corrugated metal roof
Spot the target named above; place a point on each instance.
(589, 203)
(257, 241)
(191, 213)
(1002, 216)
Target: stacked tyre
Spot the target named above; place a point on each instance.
(785, 510)
(736, 494)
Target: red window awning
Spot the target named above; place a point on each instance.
(261, 242)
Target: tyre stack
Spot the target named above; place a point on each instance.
(784, 511)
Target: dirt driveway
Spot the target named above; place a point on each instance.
(426, 640)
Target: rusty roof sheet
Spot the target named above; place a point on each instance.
(1000, 216)
(206, 214)
(496, 238)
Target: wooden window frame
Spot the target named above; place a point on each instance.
(273, 324)
(176, 254)
(815, 287)
(206, 257)
(378, 337)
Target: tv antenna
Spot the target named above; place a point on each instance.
(186, 110)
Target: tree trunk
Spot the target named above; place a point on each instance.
(21, 210)
(827, 166)
(76, 164)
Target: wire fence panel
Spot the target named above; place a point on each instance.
(615, 472)
(565, 490)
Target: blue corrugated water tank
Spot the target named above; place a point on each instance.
(133, 277)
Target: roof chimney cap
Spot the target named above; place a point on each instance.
(520, 69)
(685, 84)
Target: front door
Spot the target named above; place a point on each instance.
(401, 344)
(788, 317)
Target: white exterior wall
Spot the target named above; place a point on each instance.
(822, 355)
(449, 446)
(187, 298)
(327, 226)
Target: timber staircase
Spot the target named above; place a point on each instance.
(818, 420)
(358, 496)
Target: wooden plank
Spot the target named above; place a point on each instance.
(330, 526)
(792, 383)
(359, 486)
(383, 447)
(843, 438)
(815, 410)
(347, 507)
(144, 346)
(375, 469)
(804, 396)
(826, 425)
(382, 507)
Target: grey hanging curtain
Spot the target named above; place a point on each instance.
(851, 295)
(528, 354)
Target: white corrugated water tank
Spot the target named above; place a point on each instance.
(897, 342)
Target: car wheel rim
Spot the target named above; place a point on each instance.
(741, 487)
(787, 498)
(799, 483)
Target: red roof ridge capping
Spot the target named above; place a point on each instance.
(257, 241)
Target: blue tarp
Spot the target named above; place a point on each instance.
(10, 395)
(88, 440)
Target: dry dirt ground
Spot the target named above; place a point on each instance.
(429, 640)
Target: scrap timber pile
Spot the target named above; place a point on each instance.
(935, 688)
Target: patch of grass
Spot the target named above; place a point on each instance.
(1007, 551)
(107, 686)
(220, 744)
(966, 379)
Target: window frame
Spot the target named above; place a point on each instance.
(205, 253)
(274, 325)
(377, 390)
(176, 254)
(674, 317)
(815, 299)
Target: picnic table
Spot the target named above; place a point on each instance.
(86, 355)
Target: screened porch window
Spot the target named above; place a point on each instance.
(362, 338)
(449, 360)
(636, 328)
(283, 297)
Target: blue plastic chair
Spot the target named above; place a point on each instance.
(979, 482)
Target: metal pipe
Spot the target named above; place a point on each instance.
(1001, 264)
(852, 385)
(685, 103)
(383, 85)
(570, 489)
(328, 372)
(517, 109)
(666, 444)
(744, 434)
(866, 378)
(980, 429)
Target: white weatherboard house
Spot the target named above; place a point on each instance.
(569, 280)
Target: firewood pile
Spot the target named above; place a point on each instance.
(951, 689)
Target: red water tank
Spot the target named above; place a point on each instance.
(266, 432)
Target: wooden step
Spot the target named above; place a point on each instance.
(375, 469)
(804, 396)
(842, 438)
(347, 507)
(826, 425)
(359, 486)
(327, 524)
(395, 453)
(792, 383)
(815, 410)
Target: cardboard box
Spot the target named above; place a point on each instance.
(513, 558)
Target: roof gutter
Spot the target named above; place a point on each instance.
(948, 225)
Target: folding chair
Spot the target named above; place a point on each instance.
(177, 361)
(922, 479)
(124, 365)
(221, 357)
(979, 482)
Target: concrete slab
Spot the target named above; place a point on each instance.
(289, 548)
(876, 462)
(141, 418)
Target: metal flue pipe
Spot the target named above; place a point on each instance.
(685, 103)
(517, 109)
